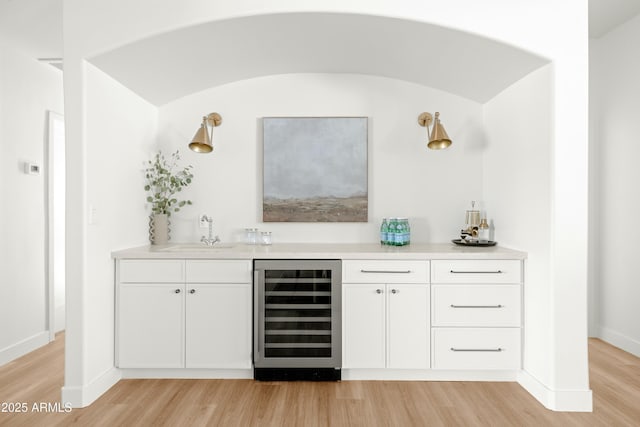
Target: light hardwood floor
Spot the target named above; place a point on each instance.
(38, 377)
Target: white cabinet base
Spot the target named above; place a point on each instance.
(428, 375)
(182, 373)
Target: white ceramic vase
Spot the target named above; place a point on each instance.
(159, 229)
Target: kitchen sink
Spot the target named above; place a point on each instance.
(197, 247)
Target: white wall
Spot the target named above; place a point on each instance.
(28, 90)
(405, 178)
(517, 182)
(121, 129)
(89, 30)
(616, 108)
(120, 132)
(57, 234)
(524, 198)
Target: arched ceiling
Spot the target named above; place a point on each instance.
(169, 66)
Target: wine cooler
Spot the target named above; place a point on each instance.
(297, 328)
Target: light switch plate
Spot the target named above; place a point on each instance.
(31, 168)
(93, 215)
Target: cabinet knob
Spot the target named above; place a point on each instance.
(177, 291)
(395, 291)
(378, 291)
(192, 291)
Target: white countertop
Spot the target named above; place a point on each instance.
(318, 251)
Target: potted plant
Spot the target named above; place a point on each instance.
(164, 178)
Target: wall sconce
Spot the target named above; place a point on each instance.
(439, 138)
(202, 141)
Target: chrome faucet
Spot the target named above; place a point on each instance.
(211, 240)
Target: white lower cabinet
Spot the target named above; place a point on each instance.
(385, 325)
(407, 326)
(198, 320)
(476, 320)
(363, 326)
(150, 331)
(218, 326)
(476, 348)
(452, 316)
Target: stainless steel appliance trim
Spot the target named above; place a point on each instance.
(335, 361)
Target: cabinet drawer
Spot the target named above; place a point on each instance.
(475, 305)
(218, 271)
(476, 271)
(476, 348)
(151, 271)
(383, 271)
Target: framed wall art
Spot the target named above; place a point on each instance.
(315, 169)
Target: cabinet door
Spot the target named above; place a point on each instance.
(363, 338)
(218, 333)
(150, 326)
(408, 326)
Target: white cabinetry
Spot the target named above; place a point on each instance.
(218, 314)
(151, 325)
(385, 314)
(183, 313)
(476, 308)
(363, 325)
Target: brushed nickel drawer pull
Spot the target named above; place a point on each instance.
(477, 306)
(476, 272)
(492, 350)
(386, 271)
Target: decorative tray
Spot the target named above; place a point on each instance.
(474, 243)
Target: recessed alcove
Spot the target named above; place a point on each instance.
(500, 104)
(167, 66)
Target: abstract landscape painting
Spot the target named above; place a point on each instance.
(315, 169)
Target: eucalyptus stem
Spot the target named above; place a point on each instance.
(164, 178)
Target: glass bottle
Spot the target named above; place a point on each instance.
(391, 235)
(384, 232)
(483, 231)
(407, 231)
(399, 232)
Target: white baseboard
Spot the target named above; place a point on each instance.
(181, 373)
(23, 347)
(426, 375)
(557, 400)
(619, 340)
(85, 395)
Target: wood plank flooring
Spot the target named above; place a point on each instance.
(38, 377)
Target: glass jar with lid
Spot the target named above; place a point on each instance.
(251, 236)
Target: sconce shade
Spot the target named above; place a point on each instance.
(202, 140)
(439, 138)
